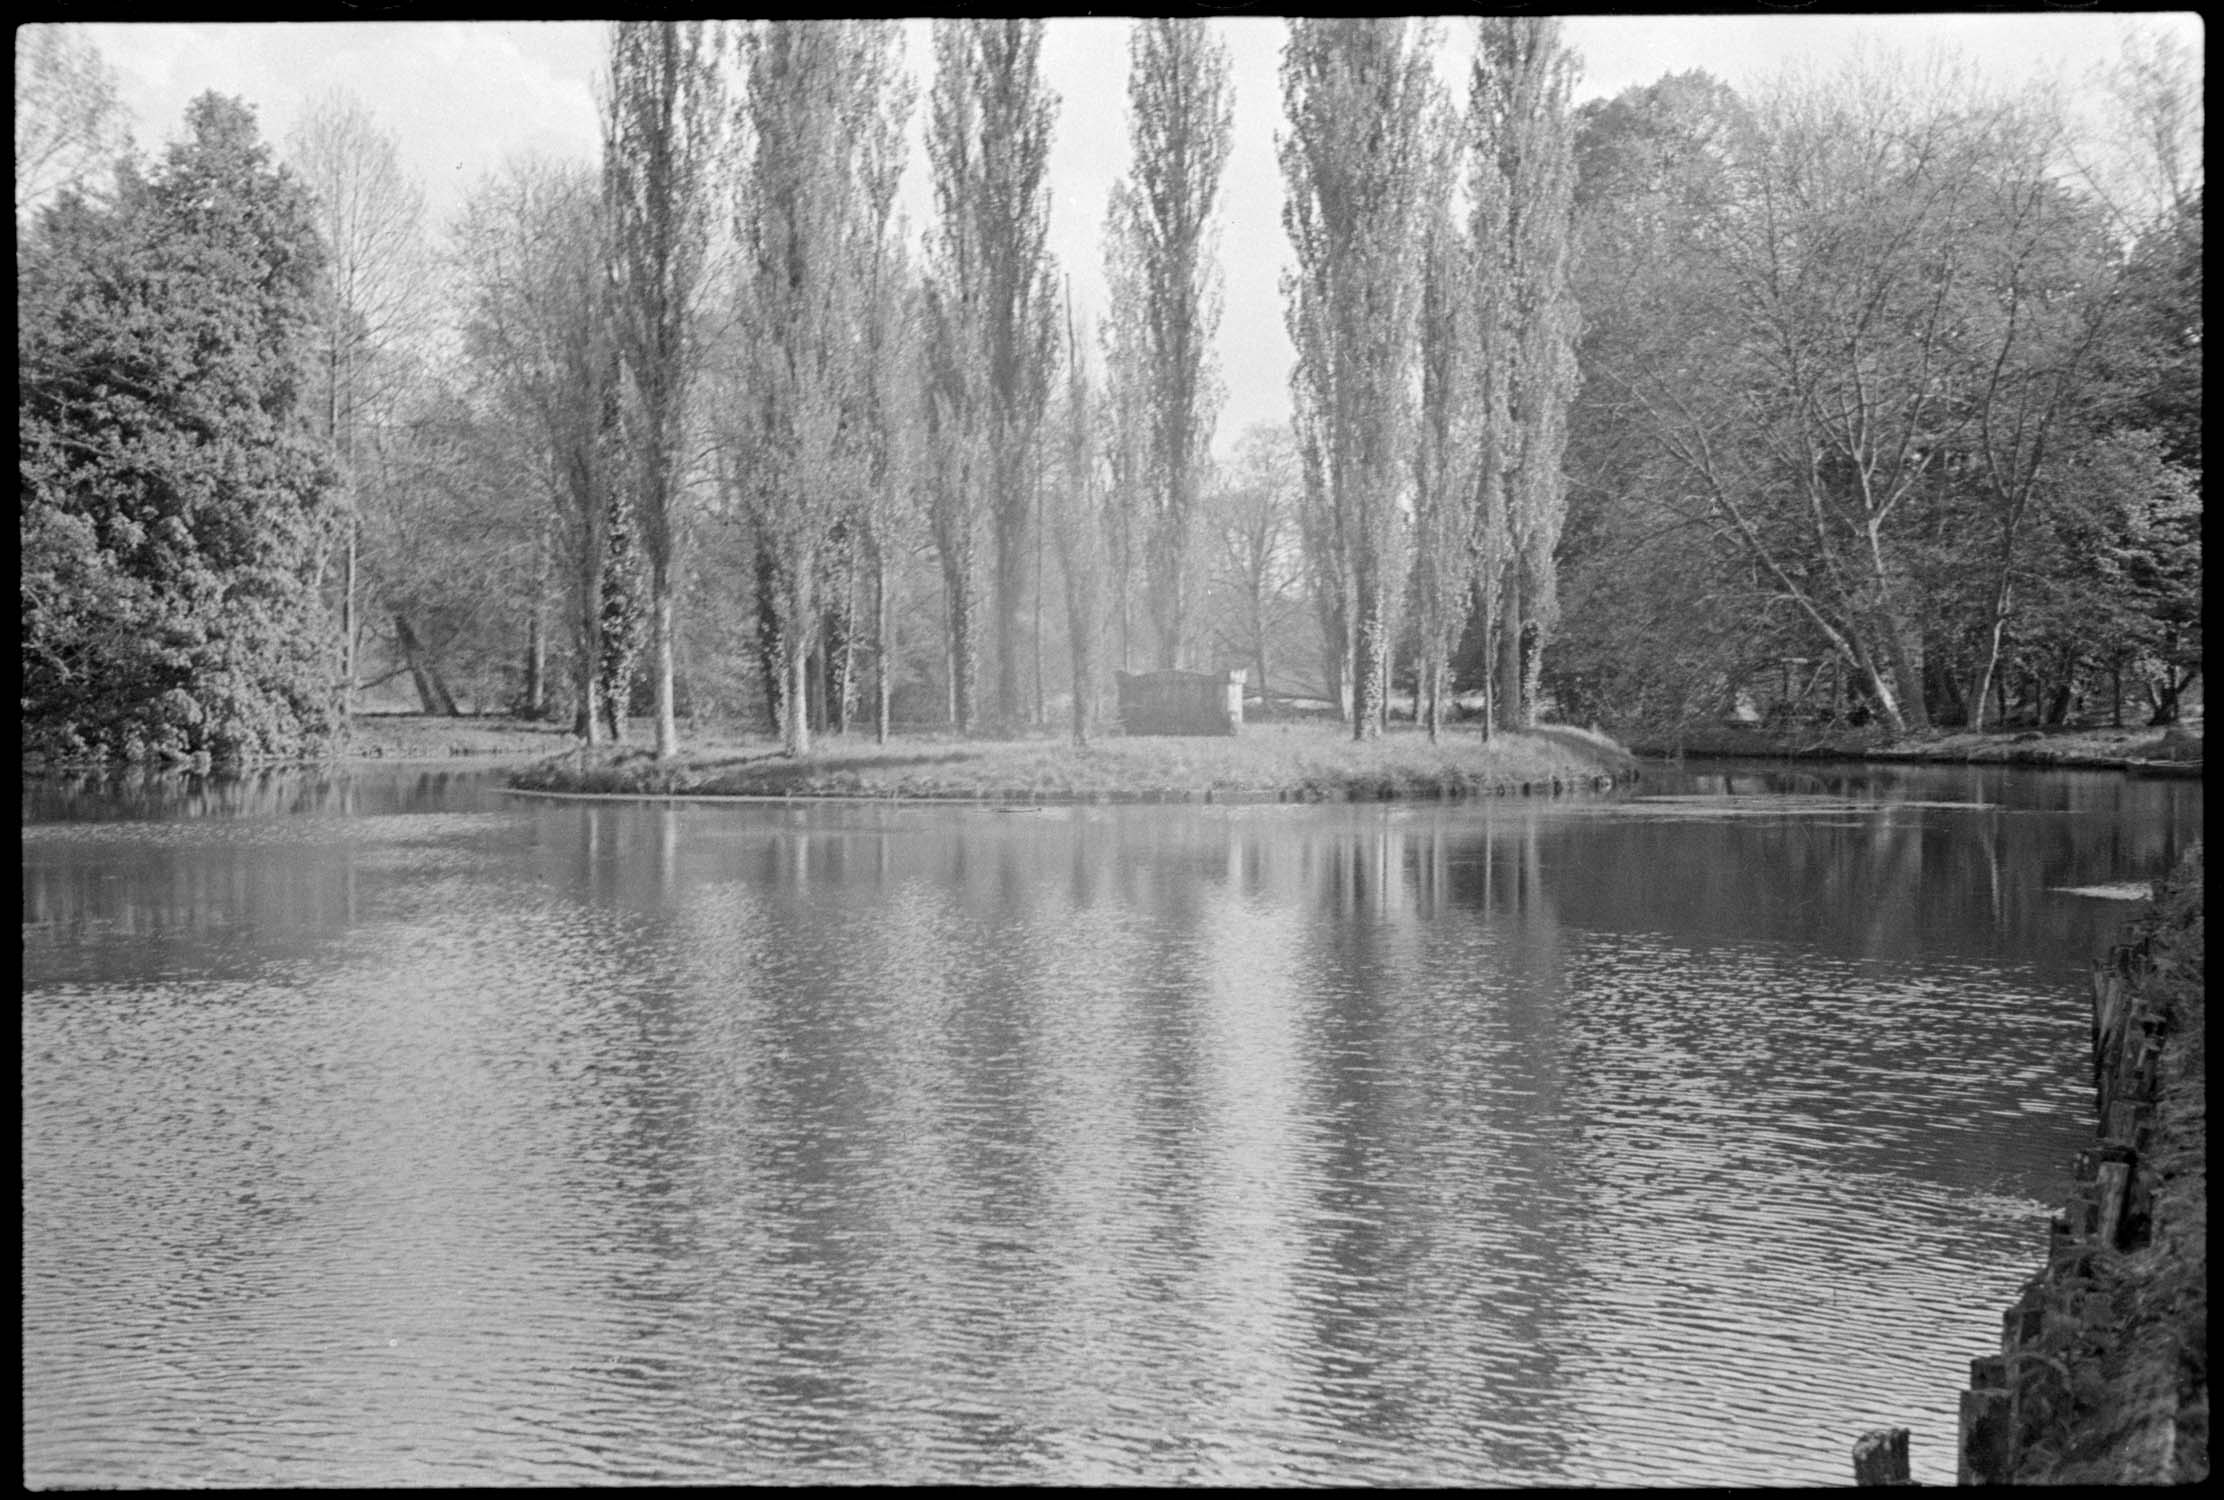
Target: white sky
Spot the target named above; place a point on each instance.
(459, 97)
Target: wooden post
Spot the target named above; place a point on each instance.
(2124, 1118)
(1880, 1457)
(2021, 1323)
(1983, 1438)
(2115, 1186)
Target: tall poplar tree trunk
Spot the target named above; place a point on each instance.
(884, 652)
(964, 647)
(1369, 653)
(1513, 713)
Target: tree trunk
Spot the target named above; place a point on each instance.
(1487, 614)
(2058, 707)
(587, 636)
(772, 655)
(350, 632)
(585, 722)
(796, 733)
(1369, 652)
(432, 693)
(2165, 695)
(1042, 712)
(1513, 711)
(818, 672)
(1532, 670)
(884, 652)
(661, 623)
(1010, 575)
(536, 665)
(1993, 638)
(964, 659)
(1907, 670)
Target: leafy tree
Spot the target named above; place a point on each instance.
(1825, 372)
(1078, 523)
(1523, 226)
(663, 126)
(1130, 457)
(171, 492)
(1356, 95)
(1253, 531)
(988, 142)
(1180, 125)
(811, 241)
(69, 122)
(890, 389)
(531, 260)
(374, 306)
(1447, 472)
(1656, 625)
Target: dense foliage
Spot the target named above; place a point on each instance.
(1876, 397)
(172, 497)
(1864, 396)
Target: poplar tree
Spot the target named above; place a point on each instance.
(1124, 413)
(1523, 227)
(1356, 95)
(1446, 472)
(663, 118)
(988, 142)
(1180, 126)
(1076, 522)
(888, 387)
(808, 234)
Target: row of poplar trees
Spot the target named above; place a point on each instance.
(730, 325)
(1435, 339)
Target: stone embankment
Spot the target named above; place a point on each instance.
(2102, 1374)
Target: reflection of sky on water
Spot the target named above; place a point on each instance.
(1559, 1144)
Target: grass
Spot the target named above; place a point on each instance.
(1287, 762)
(437, 737)
(2085, 745)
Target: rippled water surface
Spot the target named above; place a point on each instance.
(386, 1129)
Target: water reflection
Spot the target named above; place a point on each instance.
(464, 1140)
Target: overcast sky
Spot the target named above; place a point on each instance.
(459, 97)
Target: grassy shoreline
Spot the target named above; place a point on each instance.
(2154, 751)
(1331, 772)
(1271, 762)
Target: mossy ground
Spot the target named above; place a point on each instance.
(1298, 762)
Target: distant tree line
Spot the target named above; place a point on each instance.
(1875, 386)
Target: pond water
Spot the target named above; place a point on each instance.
(383, 1128)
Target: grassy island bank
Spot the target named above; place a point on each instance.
(1267, 762)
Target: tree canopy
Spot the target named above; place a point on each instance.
(172, 494)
